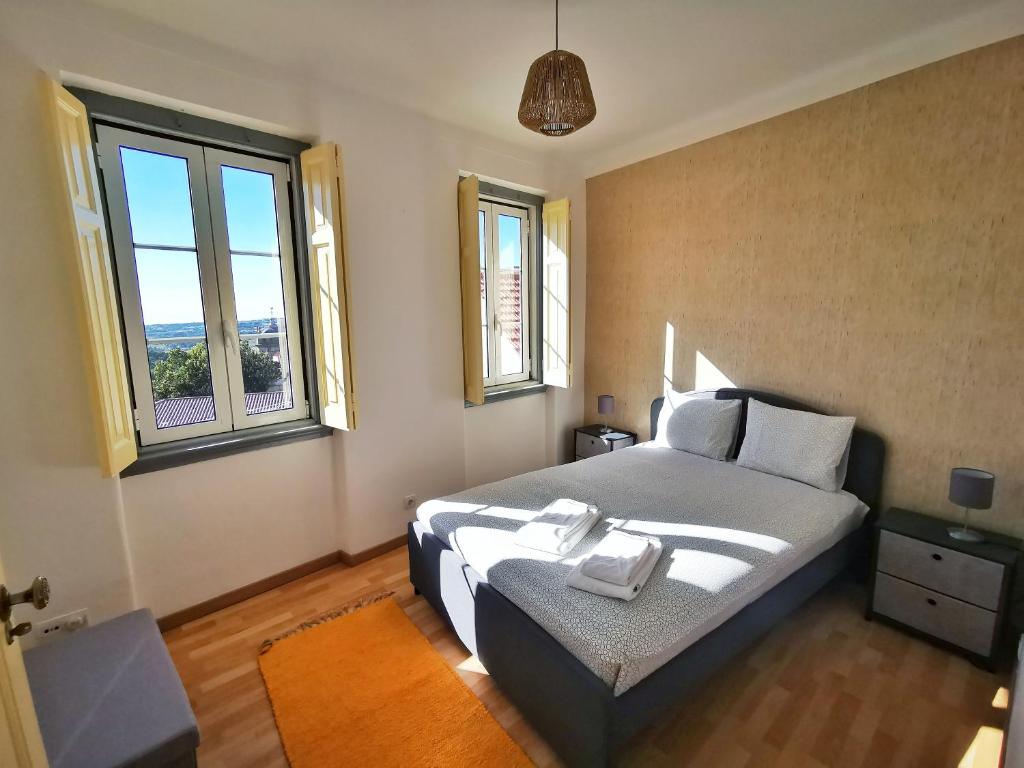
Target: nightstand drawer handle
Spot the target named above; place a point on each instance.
(936, 556)
(931, 601)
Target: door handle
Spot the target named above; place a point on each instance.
(38, 594)
(12, 632)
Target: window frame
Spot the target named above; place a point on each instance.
(216, 159)
(492, 209)
(518, 385)
(122, 243)
(117, 112)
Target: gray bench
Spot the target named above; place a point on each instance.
(109, 695)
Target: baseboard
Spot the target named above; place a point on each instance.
(214, 604)
(372, 552)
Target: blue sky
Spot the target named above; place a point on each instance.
(160, 209)
(509, 244)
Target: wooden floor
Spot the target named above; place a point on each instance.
(825, 688)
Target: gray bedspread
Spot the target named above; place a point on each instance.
(730, 534)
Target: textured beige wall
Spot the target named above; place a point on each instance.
(864, 254)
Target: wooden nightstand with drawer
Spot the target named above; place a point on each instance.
(954, 591)
(591, 441)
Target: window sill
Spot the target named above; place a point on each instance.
(510, 392)
(156, 457)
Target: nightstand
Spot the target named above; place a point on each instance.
(956, 592)
(591, 441)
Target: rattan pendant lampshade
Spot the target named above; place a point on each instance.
(557, 99)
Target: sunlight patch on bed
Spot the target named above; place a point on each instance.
(523, 515)
(707, 570)
(484, 548)
(731, 535)
(438, 506)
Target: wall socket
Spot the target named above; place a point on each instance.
(410, 501)
(61, 625)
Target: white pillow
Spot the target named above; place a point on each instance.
(808, 447)
(705, 427)
(672, 401)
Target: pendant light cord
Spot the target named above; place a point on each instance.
(556, 25)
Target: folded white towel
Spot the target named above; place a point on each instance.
(559, 526)
(579, 580)
(617, 558)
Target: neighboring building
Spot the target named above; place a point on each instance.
(176, 411)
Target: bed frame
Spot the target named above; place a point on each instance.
(573, 709)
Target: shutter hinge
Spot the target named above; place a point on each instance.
(138, 419)
(308, 413)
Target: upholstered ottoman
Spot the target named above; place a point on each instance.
(109, 695)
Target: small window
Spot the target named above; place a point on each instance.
(203, 243)
(507, 312)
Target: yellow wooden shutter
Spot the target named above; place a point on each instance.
(469, 262)
(323, 184)
(100, 322)
(557, 346)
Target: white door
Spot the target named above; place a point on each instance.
(21, 745)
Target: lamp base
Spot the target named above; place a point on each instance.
(964, 534)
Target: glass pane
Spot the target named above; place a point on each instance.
(259, 290)
(483, 291)
(159, 198)
(510, 293)
(172, 312)
(251, 212)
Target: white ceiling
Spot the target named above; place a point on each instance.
(664, 72)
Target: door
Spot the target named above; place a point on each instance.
(21, 744)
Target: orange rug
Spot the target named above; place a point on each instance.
(367, 688)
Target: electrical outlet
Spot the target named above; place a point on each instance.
(61, 625)
(410, 501)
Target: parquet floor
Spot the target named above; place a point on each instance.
(824, 688)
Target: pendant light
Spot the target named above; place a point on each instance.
(557, 99)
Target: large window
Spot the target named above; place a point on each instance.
(203, 243)
(507, 315)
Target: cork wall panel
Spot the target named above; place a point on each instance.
(864, 254)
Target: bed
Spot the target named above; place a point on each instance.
(743, 549)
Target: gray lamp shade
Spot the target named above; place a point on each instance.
(605, 404)
(971, 488)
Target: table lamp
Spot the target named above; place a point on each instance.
(605, 406)
(970, 489)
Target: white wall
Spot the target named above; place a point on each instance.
(170, 539)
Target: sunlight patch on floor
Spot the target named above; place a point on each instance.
(472, 664)
(984, 750)
(1002, 698)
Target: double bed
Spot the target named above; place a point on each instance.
(742, 549)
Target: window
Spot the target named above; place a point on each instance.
(507, 313)
(202, 239)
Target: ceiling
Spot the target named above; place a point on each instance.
(653, 64)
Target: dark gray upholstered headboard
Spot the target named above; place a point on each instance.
(867, 450)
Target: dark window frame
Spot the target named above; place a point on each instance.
(160, 121)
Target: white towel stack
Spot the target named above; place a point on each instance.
(559, 526)
(618, 566)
